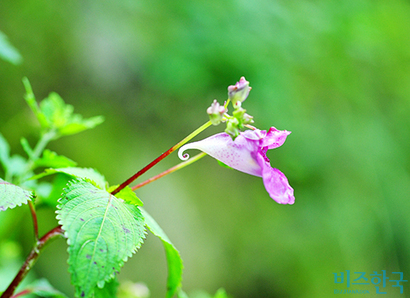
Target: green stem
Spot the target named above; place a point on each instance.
(42, 143)
(161, 157)
(227, 103)
(39, 148)
(170, 170)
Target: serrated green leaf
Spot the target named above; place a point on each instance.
(55, 110)
(53, 160)
(127, 194)
(42, 288)
(174, 260)
(8, 52)
(12, 195)
(85, 173)
(78, 124)
(60, 116)
(55, 115)
(102, 232)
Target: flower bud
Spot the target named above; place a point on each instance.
(243, 118)
(232, 128)
(216, 112)
(239, 92)
(247, 119)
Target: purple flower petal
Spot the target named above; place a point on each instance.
(274, 138)
(247, 153)
(238, 154)
(275, 182)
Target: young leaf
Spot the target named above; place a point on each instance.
(60, 116)
(32, 103)
(55, 110)
(78, 124)
(174, 260)
(102, 232)
(85, 173)
(12, 195)
(128, 195)
(53, 160)
(8, 52)
(57, 116)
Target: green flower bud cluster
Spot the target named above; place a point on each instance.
(216, 112)
(234, 124)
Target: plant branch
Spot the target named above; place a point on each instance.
(170, 170)
(31, 260)
(45, 138)
(161, 157)
(43, 142)
(34, 216)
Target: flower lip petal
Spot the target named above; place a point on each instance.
(274, 138)
(276, 183)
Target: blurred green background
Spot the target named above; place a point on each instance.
(335, 73)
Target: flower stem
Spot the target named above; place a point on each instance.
(22, 293)
(161, 157)
(170, 170)
(31, 260)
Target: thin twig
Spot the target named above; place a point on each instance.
(170, 170)
(34, 216)
(31, 260)
(161, 157)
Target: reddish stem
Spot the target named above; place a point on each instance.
(31, 259)
(34, 216)
(161, 157)
(152, 179)
(169, 171)
(22, 293)
(143, 170)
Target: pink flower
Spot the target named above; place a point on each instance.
(247, 153)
